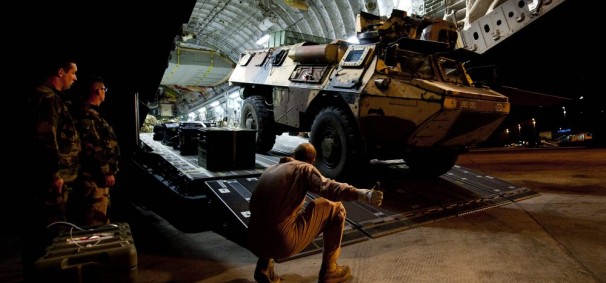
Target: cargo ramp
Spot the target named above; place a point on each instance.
(408, 202)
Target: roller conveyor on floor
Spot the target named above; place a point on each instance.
(188, 164)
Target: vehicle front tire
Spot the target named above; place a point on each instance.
(333, 137)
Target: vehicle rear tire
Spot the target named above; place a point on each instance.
(333, 137)
(256, 115)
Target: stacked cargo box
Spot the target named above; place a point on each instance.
(223, 149)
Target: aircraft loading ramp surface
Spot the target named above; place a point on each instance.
(407, 203)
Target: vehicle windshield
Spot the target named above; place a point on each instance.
(414, 65)
(452, 71)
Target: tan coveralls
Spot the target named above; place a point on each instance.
(280, 226)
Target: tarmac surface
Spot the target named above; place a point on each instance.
(557, 236)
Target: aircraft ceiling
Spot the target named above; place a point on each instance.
(220, 30)
(223, 29)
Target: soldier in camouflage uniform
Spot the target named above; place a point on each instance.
(54, 148)
(56, 143)
(100, 156)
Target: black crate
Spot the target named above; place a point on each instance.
(188, 137)
(222, 149)
(101, 254)
(188, 141)
(169, 133)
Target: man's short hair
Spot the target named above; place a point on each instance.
(305, 152)
(91, 83)
(53, 64)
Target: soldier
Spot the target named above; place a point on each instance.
(56, 142)
(100, 156)
(54, 152)
(280, 226)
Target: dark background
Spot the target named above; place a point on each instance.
(125, 42)
(558, 55)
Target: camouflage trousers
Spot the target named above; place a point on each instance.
(88, 204)
(54, 208)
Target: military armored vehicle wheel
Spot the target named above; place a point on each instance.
(430, 163)
(333, 137)
(257, 116)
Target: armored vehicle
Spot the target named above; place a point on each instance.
(401, 93)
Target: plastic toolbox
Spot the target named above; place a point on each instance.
(99, 254)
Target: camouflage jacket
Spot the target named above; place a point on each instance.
(56, 142)
(101, 152)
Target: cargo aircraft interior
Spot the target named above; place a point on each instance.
(482, 121)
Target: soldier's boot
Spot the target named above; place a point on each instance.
(264, 272)
(338, 274)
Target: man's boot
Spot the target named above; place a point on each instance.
(339, 274)
(264, 272)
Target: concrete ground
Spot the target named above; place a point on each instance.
(557, 236)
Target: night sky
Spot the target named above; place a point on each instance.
(556, 55)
